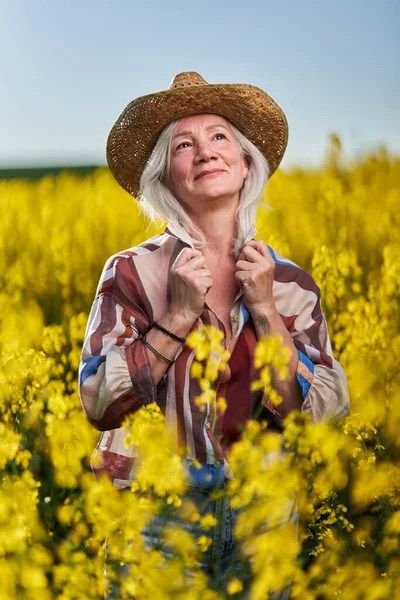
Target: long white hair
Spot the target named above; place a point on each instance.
(157, 201)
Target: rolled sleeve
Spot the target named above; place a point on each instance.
(304, 373)
(321, 378)
(327, 398)
(322, 381)
(115, 377)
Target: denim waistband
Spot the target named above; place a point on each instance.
(206, 475)
(202, 475)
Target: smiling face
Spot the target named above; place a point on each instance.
(206, 163)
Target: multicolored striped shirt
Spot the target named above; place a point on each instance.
(115, 377)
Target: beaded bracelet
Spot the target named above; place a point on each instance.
(156, 352)
(172, 335)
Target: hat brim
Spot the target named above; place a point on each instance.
(249, 108)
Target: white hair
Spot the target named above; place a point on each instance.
(157, 201)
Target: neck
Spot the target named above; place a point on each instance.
(219, 228)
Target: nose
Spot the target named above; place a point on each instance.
(204, 151)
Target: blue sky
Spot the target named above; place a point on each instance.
(69, 68)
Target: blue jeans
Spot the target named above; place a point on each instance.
(220, 561)
(216, 560)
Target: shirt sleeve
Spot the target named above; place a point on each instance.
(322, 380)
(115, 377)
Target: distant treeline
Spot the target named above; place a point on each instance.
(34, 173)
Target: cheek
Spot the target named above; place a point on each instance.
(241, 168)
(178, 173)
(173, 178)
(235, 157)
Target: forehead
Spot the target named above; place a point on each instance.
(202, 120)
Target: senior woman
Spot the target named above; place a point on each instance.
(198, 156)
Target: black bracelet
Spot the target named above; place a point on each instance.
(172, 335)
(156, 352)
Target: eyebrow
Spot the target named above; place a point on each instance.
(183, 133)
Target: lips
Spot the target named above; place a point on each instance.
(203, 173)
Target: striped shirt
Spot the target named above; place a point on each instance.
(115, 377)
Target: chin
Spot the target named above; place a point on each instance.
(219, 191)
(230, 196)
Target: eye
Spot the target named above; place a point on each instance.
(220, 136)
(182, 145)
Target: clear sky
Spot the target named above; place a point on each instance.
(67, 69)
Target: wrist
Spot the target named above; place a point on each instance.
(178, 323)
(263, 310)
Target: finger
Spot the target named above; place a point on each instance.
(204, 284)
(196, 262)
(244, 265)
(192, 278)
(260, 246)
(242, 277)
(243, 284)
(200, 273)
(207, 282)
(185, 255)
(261, 249)
(251, 254)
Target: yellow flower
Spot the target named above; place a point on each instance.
(221, 405)
(33, 577)
(196, 370)
(208, 521)
(182, 542)
(204, 542)
(9, 444)
(349, 242)
(234, 586)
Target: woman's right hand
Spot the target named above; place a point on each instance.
(190, 282)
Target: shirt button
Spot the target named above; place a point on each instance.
(207, 425)
(236, 317)
(217, 463)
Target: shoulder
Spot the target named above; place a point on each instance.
(297, 296)
(148, 246)
(289, 272)
(122, 263)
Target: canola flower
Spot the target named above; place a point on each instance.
(338, 484)
(211, 358)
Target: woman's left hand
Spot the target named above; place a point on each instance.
(255, 270)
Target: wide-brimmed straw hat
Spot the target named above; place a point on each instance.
(249, 108)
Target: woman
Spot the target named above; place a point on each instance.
(199, 155)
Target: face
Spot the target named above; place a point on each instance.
(206, 163)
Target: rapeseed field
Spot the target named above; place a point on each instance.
(342, 224)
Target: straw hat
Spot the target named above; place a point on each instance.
(249, 108)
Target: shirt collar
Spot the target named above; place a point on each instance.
(172, 231)
(252, 233)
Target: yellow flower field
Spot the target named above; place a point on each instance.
(343, 226)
